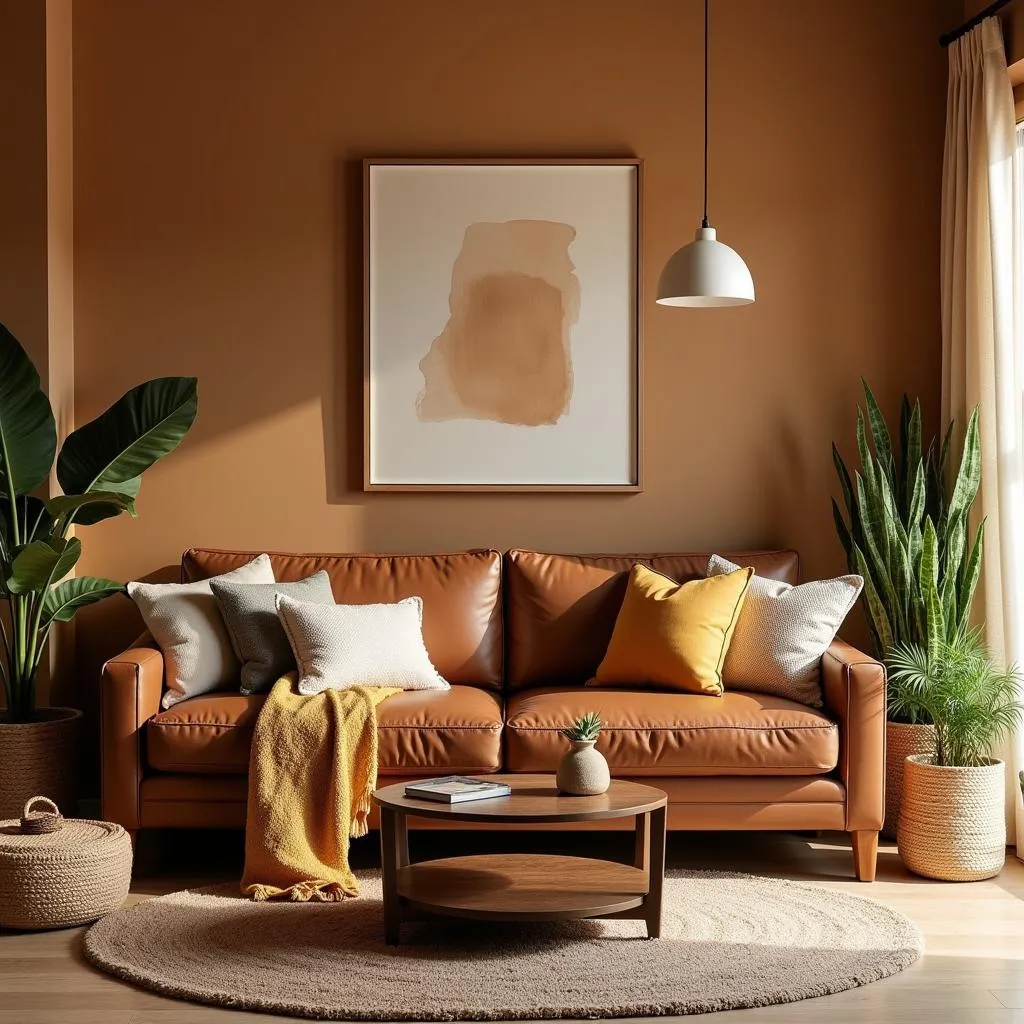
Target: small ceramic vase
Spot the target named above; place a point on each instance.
(583, 771)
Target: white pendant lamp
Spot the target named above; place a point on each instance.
(706, 272)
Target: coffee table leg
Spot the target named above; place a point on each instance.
(656, 870)
(642, 848)
(394, 854)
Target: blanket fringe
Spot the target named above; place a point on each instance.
(312, 891)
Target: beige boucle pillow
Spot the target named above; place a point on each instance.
(782, 633)
(338, 646)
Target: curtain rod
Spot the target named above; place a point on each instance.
(952, 37)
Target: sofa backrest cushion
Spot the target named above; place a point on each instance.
(562, 608)
(462, 618)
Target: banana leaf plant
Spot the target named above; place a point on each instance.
(99, 469)
(906, 531)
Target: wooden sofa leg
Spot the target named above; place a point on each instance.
(865, 854)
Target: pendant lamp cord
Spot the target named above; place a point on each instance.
(707, 61)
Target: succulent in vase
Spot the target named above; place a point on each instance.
(583, 771)
(586, 727)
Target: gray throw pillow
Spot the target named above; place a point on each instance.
(256, 632)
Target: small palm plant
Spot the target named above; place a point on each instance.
(585, 729)
(955, 684)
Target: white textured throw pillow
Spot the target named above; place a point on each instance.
(188, 627)
(342, 645)
(783, 631)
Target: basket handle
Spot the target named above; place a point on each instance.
(36, 823)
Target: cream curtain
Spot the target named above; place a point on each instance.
(981, 358)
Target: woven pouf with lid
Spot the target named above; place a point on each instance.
(56, 872)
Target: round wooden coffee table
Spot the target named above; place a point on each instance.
(525, 886)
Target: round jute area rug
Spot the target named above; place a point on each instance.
(728, 941)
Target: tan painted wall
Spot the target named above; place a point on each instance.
(218, 219)
(37, 225)
(23, 286)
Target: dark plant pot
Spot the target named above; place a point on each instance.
(39, 758)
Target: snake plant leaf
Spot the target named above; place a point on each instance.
(40, 564)
(863, 449)
(930, 587)
(62, 601)
(876, 540)
(953, 549)
(913, 460)
(903, 474)
(844, 480)
(879, 431)
(844, 534)
(65, 503)
(947, 445)
(969, 577)
(28, 433)
(876, 610)
(968, 478)
(916, 509)
(140, 428)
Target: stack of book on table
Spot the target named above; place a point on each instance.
(456, 789)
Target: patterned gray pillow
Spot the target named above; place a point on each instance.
(256, 632)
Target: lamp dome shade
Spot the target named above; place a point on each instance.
(705, 273)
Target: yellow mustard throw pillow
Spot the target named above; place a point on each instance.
(673, 635)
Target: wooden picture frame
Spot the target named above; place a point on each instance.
(502, 325)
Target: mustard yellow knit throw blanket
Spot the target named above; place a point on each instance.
(312, 772)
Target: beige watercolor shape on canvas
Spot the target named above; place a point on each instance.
(504, 354)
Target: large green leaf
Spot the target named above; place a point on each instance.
(121, 444)
(33, 519)
(61, 603)
(28, 434)
(65, 503)
(89, 514)
(39, 564)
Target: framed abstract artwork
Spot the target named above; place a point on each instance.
(502, 335)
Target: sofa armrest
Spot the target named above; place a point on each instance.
(854, 689)
(130, 691)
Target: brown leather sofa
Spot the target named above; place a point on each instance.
(517, 636)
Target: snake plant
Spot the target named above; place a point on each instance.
(99, 469)
(906, 533)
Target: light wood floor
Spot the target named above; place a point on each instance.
(972, 973)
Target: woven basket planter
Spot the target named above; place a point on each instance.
(901, 740)
(39, 757)
(951, 823)
(57, 872)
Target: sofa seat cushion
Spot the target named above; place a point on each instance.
(656, 733)
(420, 732)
